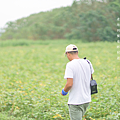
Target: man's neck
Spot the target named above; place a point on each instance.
(75, 57)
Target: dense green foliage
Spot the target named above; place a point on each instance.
(32, 77)
(91, 22)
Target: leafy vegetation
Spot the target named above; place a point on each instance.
(90, 22)
(31, 79)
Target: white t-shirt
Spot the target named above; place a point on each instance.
(79, 70)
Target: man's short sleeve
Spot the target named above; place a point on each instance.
(68, 72)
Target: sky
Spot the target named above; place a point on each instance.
(11, 10)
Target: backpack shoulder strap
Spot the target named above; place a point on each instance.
(89, 65)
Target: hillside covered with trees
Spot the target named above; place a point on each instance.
(95, 21)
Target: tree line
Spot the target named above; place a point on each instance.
(95, 21)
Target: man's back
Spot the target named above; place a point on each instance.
(79, 70)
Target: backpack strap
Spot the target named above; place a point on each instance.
(89, 65)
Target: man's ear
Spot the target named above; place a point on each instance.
(68, 54)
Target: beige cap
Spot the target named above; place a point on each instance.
(71, 48)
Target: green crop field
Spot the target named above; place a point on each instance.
(32, 77)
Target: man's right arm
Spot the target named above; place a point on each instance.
(91, 76)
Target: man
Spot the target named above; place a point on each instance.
(78, 75)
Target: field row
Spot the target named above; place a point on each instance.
(32, 77)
